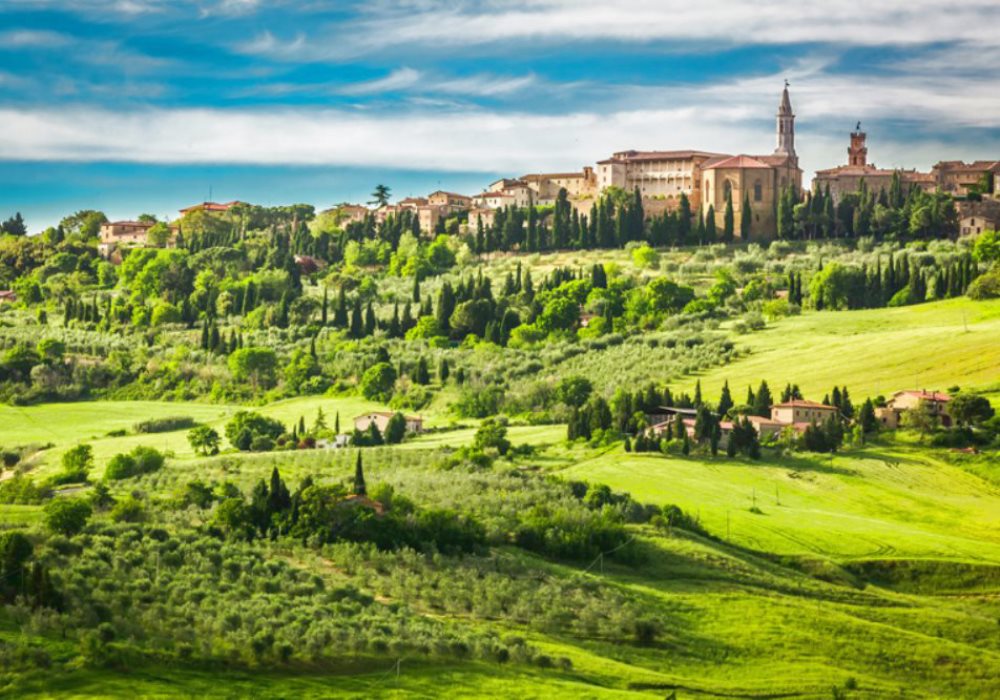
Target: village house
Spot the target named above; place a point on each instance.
(801, 411)
(349, 213)
(453, 201)
(495, 200)
(847, 179)
(121, 234)
(414, 424)
(890, 415)
(959, 179)
(797, 415)
(975, 217)
(213, 207)
(486, 216)
(664, 424)
(545, 187)
(7, 296)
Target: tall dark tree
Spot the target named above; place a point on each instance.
(746, 218)
(360, 488)
(728, 219)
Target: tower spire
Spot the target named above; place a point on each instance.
(786, 126)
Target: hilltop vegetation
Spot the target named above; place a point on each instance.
(173, 512)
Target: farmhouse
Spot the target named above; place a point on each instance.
(800, 411)
(213, 207)
(120, 234)
(892, 413)
(976, 217)
(7, 296)
(414, 424)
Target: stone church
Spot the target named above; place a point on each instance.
(761, 177)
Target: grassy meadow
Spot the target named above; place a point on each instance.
(872, 352)
(870, 573)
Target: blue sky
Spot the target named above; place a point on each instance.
(135, 106)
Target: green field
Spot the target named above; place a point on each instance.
(883, 501)
(876, 569)
(872, 352)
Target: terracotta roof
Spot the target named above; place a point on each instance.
(630, 156)
(925, 395)
(740, 161)
(961, 166)
(146, 224)
(450, 194)
(535, 177)
(800, 403)
(484, 195)
(772, 159)
(761, 420)
(387, 414)
(212, 206)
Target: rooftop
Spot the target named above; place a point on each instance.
(740, 161)
(639, 156)
(925, 395)
(802, 403)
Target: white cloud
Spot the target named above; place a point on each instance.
(442, 24)
(399, 79)
(457, 141)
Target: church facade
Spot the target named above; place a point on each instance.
(709, 179)
(757, 180)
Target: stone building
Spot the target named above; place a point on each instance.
(761, 178)
(959, 179)
(658, 175)
(847, 179)
(125, 234)
(545, 186)
(974, 217)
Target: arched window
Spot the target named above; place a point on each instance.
(727, 190)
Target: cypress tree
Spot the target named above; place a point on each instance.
(746, 218)
(725, 400)
(359, 477)
(728, 219)
(369, 320)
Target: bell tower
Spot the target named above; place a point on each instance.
(786, 127)
(857, 153)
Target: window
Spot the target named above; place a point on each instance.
(727, 190)
(758, 191)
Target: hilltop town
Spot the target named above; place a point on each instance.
(752, 192)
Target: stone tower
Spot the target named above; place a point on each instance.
(857, 153)
(786, 127)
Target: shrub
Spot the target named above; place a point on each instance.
(164, 425)
(76, 463)
(986, 286)
(67, 516)
(246, 426)
(377, 382)
(141, 460)
(128, 510)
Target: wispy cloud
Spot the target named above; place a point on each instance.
(438, 24)
(409, 81)
(99, 52)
